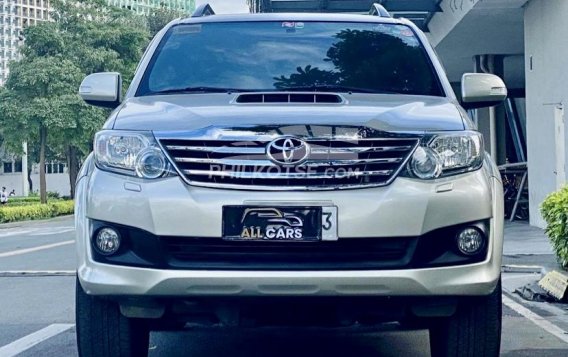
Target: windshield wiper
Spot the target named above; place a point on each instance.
(335, 88)
(199, 90)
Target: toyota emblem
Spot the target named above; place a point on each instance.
(288, 150)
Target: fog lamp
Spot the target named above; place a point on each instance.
(107, 241)
(470, 241)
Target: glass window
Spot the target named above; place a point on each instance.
(7, 167)
(269, 56)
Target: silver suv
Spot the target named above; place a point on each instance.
(289, 169)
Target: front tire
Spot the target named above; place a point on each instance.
(103, 331)
(474, 330)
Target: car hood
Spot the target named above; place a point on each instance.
(199, 112)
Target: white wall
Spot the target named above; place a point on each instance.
(546, 41)
(55, 183)
(12, 182)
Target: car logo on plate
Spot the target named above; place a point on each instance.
(288, 150)
(271, 224)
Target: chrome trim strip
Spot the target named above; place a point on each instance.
(244, 135)
(359, 150)
(289, 188)
(284, 175)
(262, 150)
(220, 149)
(309, 163)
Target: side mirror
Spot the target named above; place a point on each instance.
(482, 90)
(102, 89)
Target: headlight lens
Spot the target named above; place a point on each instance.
(425, 163)
(446, 154)
(130, 153)
(150, 163)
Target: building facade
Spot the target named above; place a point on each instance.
(15, 15)
(146, 6)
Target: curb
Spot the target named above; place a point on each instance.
(31, 274)
(512, 268)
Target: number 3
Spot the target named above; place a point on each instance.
(327, 221)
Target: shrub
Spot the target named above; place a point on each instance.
(61, 208)
(555, 212)
(35, 211)
(23, 199)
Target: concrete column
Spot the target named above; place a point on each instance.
(546, 51)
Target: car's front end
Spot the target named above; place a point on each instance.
(199, 201)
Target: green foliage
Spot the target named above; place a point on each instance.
(30, 199)
(161, 17)
(40, 103)
(554, 210)
(12, 203)
(33, 198)
(34, 211)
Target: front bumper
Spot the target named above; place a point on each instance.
(404, 208)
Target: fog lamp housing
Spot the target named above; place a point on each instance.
(107, 241)
(470, 241)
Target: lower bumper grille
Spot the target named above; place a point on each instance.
(143, 249)
(357, 253)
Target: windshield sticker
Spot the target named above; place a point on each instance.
(407, 32)
(187, 29)
(292, 25)
(381, 28)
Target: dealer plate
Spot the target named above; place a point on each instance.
(288, 223)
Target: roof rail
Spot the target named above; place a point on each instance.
(379, 10)
(203, 10)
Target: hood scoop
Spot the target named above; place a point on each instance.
(290, 98)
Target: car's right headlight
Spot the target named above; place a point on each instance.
(447, 154)
(130, 153)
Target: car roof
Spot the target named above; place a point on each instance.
(324, 17)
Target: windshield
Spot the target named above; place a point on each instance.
(274, 56)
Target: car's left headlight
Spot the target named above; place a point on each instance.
(130, 153)
(447, 154)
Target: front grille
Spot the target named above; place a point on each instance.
(357, 253)
(330, 164)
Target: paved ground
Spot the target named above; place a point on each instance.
(36, 314)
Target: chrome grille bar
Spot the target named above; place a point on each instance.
(310, 163)
(220, 150)
(284, 175)
(262, 150)
(317, 150)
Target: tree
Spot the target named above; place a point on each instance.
(308, 76)
(361, 57)
(40, 104)
(159, 18)
(35, 102)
